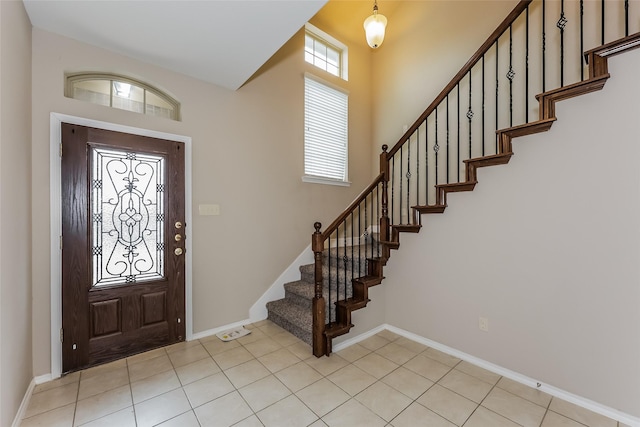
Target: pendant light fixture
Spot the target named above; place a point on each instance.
(374, 27)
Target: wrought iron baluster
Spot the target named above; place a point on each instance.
(602, 41)
(562, 22)
(330, 301)
(426, 160)
(544, 47)
(447, 156)
(353, 260)
(393, 177)
(366, 227)
(458, 134)
(470, 113)
(436, 147)
(361, 233)
(483, 112)
(345, 258)
(418, 166)
(526, 74)
(497, 90)
(400, 190)
(510, 75)
(408, 177)
(581, 53)
(377, 221)
(626, 18)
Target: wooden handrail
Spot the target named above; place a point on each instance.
(515, 13)
(335, 224)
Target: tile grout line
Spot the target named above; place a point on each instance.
(546, 412)
(133, 405)
(480, 404)
(75, 404)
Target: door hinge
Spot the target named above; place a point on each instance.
(179, 320)
(60, 242)
(61, 149)
(61, 335)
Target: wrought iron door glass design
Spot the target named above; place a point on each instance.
(127, 216)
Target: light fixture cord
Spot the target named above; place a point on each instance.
(375, 7)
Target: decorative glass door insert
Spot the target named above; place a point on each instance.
(127, 216)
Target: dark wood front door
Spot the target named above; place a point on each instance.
(122, 245)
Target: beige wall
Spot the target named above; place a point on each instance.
(546, 248)
(247, 157)
(15, 225)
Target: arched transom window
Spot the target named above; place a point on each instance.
(121, 92)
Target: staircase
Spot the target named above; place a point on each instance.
(293, 312)
(489, 99)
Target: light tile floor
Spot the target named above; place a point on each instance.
(270, 378)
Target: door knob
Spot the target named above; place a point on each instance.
(178, 251)
(177, 237)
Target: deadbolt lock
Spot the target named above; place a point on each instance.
(178, 224)
(177, 237)
(178, 251)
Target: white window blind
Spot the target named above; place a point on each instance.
(325, 131)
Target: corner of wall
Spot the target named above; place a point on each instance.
(258, 310)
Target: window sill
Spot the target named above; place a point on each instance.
(320, 180)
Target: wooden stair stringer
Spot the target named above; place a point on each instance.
(344, 308)
(549, 99)
(361, 285)
(394, 242)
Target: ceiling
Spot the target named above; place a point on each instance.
(219, 41)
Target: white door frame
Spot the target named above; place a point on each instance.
(56, 120)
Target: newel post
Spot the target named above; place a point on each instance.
(319, 307)
(384, 219)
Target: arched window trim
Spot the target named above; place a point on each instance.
(72, 78)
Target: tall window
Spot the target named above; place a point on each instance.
(325, 132)
(326, 112)
(121, 92)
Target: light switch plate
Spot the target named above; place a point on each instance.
(209, 210)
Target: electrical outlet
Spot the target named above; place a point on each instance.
(483, 324)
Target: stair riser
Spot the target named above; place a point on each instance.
(307, 273)
(281, 321)
(284, 316)
(337, 281)
(301, 300)
(352, 259)
(304, 299)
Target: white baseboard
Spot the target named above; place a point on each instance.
(258, 311)
(44, 378)
(25, 404)
(363, 336)
(515, 376)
